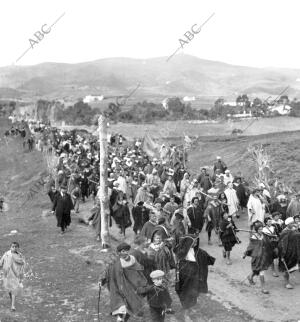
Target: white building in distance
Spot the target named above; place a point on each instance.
(92, 98)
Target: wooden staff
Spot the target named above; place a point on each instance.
(236, 237)
(285, 266)
(97, 183)
(224, 203)
(252, 232)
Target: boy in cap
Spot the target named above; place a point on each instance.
(158, 297)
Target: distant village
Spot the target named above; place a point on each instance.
(84, 111)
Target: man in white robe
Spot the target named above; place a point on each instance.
(232, 200)
(256, 209)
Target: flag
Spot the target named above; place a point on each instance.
(187, 142)
(150, 147)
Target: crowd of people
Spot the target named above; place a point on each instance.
(167, 207)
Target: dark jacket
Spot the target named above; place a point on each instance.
(158, 296)
(62, 207)
(52, 195)
(124, 284)
(221, 166)
(196, 216)
(140, 216)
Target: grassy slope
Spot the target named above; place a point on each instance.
(283, 149)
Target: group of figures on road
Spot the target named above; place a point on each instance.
(167, 207)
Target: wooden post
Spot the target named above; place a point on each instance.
(103, 194)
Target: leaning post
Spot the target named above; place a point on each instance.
(103, 193)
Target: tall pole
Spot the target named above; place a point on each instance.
(103, 194)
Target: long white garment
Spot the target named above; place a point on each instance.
(13, 272)
(232, 201)
(258, 209)
(122, 184)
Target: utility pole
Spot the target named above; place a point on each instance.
(103, 193)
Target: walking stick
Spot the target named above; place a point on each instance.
(93, 181)
(251, 232)
(285, 266)
(208, 196)
(99, 294)
(236, 237)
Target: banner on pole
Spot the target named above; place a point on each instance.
(150, 147)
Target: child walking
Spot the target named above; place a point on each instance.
(13, 264)
(228, 236)
(158, 297)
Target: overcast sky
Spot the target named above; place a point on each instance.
(259, 33)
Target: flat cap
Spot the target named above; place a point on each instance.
(157, 274)
(288, 221)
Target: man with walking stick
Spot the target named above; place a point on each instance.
(124, 279)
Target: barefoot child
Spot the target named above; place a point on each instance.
(227, 235)
(13, 263)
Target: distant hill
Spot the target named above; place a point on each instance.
(183, 75)
(6, 92)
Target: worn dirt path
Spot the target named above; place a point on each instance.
(65, 269)
(63, 286)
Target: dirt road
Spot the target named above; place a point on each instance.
(65, 269)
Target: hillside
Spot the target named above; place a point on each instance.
(63, 286)
(283, 149)
(182, 75)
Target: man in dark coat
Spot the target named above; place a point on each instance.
(140, 216)
(62, 206)
(219, 164)
(192, 270)
(196, 216)
(204, 180)
(53, 193)
(241, 193)
(289, 250)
